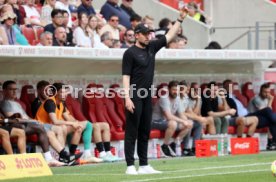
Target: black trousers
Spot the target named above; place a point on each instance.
(138, 126)
(266, 118)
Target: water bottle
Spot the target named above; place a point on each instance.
(222, 144)
(121, 151)
(225, 144)
(154, 148)
(178, 148)
(158, 151)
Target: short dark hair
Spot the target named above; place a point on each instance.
(7, 83)
(193, 84)
(58, 86)
(135, 17)
(112, 15)
(183, 82)
(226, 82)
(42, 84)
(212, 83)
(264, 86)
(130, 29)
(173, 83)
(55, 12)
(164, 23)
(213, 45)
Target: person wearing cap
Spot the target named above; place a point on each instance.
(7, 32)
(138, 71)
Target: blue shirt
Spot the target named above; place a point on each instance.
(242, 111)
(86, 9)
(109, 9)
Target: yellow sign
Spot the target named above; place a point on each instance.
(23, 165)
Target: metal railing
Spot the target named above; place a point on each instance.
(249, 30)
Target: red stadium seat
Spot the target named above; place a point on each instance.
(233, 130)
(88, 105)
(155, 134)
(32, 34)
(27, 97)
(96, 110)
(39, 31)
(247, 91)
(172, 3)
(35, 42)
(161, 89)
(119, 103)
(237, 93)
(74, 106)
(203, 86)
(29, 33)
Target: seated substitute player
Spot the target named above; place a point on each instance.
(168, 115)
(10, 107)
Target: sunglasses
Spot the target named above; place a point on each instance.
(129, 0)
(10, 18)
(114, 20)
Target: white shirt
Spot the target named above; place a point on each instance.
(80, 38)
(241, 110)
(185, 102)
(32, 13)
(46, 14)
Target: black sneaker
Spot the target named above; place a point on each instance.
(188, 153)
(173, 147)
(271, 146)
(166, 150)
(71, 159)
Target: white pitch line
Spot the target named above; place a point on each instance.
(219, 167)
(89, 174)
(193, 176)
(184, 170)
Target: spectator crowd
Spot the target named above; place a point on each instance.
(77, 23)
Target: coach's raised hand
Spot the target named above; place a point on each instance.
(183, 13)
(173, 31)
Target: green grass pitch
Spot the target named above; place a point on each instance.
(242, 168)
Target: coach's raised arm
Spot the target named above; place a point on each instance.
(173, 31)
